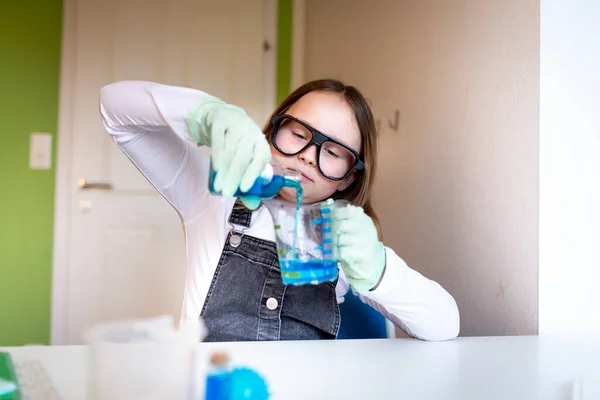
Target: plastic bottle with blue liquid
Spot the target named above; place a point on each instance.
(272, 179)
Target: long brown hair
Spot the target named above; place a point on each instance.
(359, 191)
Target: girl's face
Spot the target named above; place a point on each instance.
(330, 114)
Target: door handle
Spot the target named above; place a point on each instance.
(83, 184)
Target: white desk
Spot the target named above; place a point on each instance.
(524, 367)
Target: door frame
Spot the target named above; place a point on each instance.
(65, 189)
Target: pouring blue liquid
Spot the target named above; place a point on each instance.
(293, 270)
(305, 272)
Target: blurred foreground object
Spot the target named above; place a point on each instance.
(144, 359)
(240, 383)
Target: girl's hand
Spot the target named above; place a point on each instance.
(361, 253)
(240, 150)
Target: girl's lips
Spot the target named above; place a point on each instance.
(305, 178)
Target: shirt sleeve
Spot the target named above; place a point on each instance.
(147, 122)
(417, 305)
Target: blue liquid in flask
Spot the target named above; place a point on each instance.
(299, 272)
(293, 270)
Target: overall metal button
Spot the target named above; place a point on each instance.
(272, 303)
(235, 240)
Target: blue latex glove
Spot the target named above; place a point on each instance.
(359, 250)
(240, 150)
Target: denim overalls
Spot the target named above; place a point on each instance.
(248, 301)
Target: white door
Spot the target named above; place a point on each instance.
(123, 253)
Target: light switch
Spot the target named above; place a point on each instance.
(40, 151)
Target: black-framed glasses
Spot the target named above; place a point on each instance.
(335, 160)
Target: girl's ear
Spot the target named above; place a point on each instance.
(347, 182)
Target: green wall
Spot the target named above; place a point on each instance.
(284, 48)
(30, 35)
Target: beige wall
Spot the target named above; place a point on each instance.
(457, 189)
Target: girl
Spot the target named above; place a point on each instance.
(326, 130)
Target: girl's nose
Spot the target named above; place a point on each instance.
(309, 156)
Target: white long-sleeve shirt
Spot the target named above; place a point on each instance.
(147, 122)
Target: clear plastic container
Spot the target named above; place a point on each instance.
(144, 359)
(305, 238)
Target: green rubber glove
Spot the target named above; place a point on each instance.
(8, 388)
(240, 150)
(359, 250)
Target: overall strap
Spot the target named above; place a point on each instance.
(240, 215)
